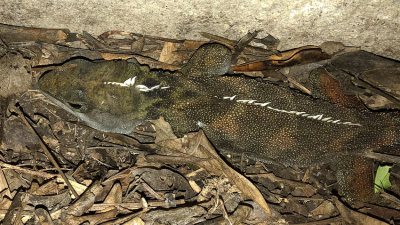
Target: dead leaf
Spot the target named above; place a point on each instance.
(356, 218)
(114, 196)
(197, 145)
(4, 190)
(51, 202)
(167, 54)
(97, 218)
(13, 74)
(178, 216)
(164, 130)
(325, 210)
(302, 55)
(86, 200)
(43, 216)
(134, 221)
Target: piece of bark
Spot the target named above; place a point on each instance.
(10, 34)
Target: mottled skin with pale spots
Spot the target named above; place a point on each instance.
(202, 96)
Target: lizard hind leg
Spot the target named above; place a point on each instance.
(355, 176)
(209, 60)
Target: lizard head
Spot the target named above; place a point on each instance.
(111, 96)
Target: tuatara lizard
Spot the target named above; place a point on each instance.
(238, 114)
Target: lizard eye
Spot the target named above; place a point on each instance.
(77, 107)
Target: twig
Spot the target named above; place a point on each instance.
(241, 44)
(224, 213)
(180, 159)
(337, 219)
(390, 197)
(152, 191)
(24, 212)
(251, 50)
(376, 90)
(300, 86)
(3, 43)
(117, 147)
(134, 205)
(102, 163)
(92, 43)
(383, 157)
(48, 154)
(35, 173)
(229, 43)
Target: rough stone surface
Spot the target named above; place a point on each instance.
(374, 25)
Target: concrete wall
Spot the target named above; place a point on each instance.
(373, 25)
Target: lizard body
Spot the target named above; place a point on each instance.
(238, 114)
